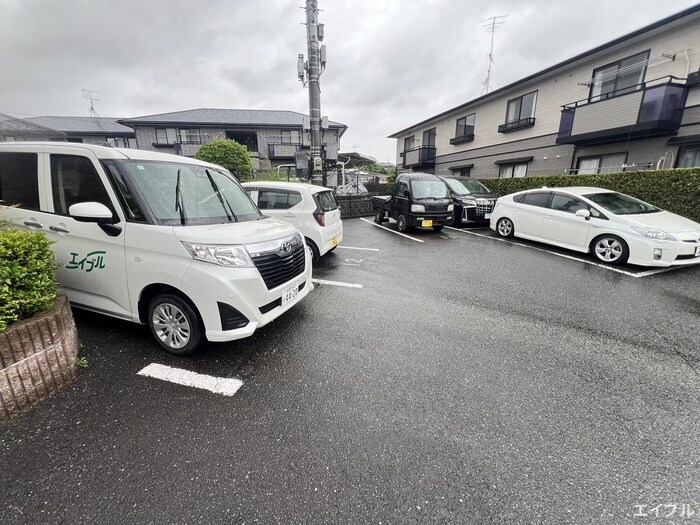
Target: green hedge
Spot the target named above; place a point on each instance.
(27, 275)
(677, 191)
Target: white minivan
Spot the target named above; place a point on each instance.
(159, 239)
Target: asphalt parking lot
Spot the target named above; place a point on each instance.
(438, 377)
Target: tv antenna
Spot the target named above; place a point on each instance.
(89, 94)
(491, 25)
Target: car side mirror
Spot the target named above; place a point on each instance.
(90, 212)
(583, 213)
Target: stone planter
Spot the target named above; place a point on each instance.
(37, 358)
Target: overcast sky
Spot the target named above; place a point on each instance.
(391, 63)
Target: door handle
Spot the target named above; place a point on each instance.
(33, 224)
(59, 229)
(289, 215)
(548, 217)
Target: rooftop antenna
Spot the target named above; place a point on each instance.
(88, 94)
(491, 25)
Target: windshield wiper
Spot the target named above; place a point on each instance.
(179, 204)
(222, 198)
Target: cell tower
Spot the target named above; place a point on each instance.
(89, 94)
(491, 25)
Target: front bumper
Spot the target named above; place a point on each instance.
(650, 252)
(242, 289)
(438, 219)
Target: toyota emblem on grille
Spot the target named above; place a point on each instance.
(286, 247)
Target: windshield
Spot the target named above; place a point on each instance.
(427, 189)
(621, 204)
(466, 187)
(187, 194)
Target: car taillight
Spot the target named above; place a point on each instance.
(320, 218)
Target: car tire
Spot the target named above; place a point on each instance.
(610, 249)
(439, 227)
(401, 223)
(175, 324)
(505, 227)
(379, 217)
(313, 250)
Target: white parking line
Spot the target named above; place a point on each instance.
(336, 283)
(390, 230)
(226, 386)
(355, 248)
(586, 261)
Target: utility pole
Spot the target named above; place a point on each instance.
(309, 73)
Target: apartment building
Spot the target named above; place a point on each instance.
(273, 138)
(629, 104)
(105, 131)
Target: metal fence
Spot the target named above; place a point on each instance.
(355, 205)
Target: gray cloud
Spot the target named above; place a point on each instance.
(390, 64)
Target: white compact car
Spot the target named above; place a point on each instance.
(614, 227)
(159, 239)
(311, 209)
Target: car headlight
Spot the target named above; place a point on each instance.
(653, 233)
(450, 207)
(417, 208)
(221, 254)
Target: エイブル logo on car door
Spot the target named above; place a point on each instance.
(92, 261)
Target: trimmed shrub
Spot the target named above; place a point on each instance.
(230, 155)
(677, 190)
(27, 275)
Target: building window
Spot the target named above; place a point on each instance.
(520, 113)
(689, 157)
(166, 135)
(131, 143)
(612, 163)
(619, 78)
(291, 136)
(508, 171)
(429, 138)
(465, 129)
(190, 136)
(409, 143)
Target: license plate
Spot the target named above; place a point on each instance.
(697, 251)
(289, 294)
(426, 224)
(335, 241)
(487, 215)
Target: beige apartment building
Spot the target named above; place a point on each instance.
(629, 104)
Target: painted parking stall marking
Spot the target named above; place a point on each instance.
(336, 283)
(226, 386)
(571, 257)
(356, 248)
(390, 230)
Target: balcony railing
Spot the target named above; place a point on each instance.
(516, 125)
(467, 135)
(647, 110)
(420, 157)
(283, 151)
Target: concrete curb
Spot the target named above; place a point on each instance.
(37, 358)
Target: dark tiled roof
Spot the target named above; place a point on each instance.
(209, 116)
(85, 125)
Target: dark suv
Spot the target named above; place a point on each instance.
(473, 201)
